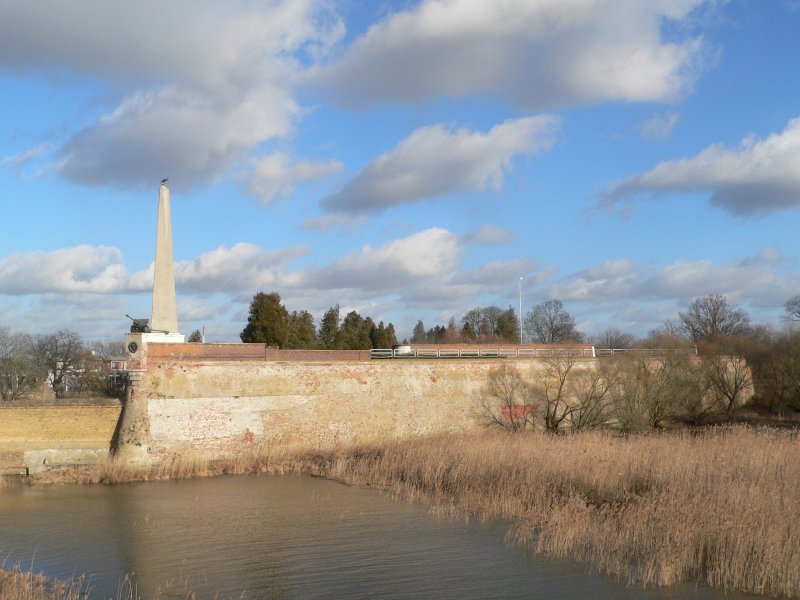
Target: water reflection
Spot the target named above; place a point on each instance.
(280, 537)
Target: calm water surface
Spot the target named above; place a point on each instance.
(281, 537)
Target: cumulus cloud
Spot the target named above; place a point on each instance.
(197, 309)
(535, 53)
(241, 269)
(492, 283)
(274, 176)
(81, 269)
(759, 279)
(328, 222)
(431, 253)
(489, 235)
(188, 101)
(761, 176)
(433, 162)
(418, 274)
(659, 127)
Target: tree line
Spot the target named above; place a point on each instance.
(546, 323)
(627, 392)
(631, 392)
(718, 328)
(69, 365)
(269, 322)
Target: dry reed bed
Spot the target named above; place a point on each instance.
(189, 463)
(719, 507)
(16, 584)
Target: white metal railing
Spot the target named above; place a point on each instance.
(644, 351)
(477, 352)
(520, 352)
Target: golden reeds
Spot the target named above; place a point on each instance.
(187, 463)
(719, 506)
(16, 584)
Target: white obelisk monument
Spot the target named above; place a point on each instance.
(133, 437)
(165, 308)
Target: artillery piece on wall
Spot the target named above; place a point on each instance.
(140, 325)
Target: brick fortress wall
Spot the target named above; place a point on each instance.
(218, 398)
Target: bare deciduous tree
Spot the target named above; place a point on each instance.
(688, 386)
(552, 391)
(639, 393)
(107, 349)
(590, 396)
(18, 374)
(776, 369)
(472, 324)
(613, 338)
(60, 356)
(669, 334)
(792, 308)
(729, 379)
(505, 399)
(550, 323)
(711, 317)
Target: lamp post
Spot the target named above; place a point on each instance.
(520, 309)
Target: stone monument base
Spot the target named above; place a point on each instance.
(157, 337)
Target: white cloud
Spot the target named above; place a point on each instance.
(491, 283)
(659, 127)
(637, 298)
(757, 279)
(489, 235)
(195, 86)
(244, 268)
(761, 176)
(327, 222)
(95, 288)
(274, 176)
(81, 269)
(536, 53)
(197, 309)
(431, 253)
(179, 133)
(434, 162)
(418, 276)
(21, 159)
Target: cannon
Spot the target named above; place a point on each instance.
(139, 325)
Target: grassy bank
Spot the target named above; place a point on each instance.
(717, 505)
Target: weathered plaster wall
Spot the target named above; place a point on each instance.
(37, 435)
(37, 427)
(222, 397)
(203, 400)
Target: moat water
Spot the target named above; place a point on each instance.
(282, 537)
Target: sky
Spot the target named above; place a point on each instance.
(409, 160)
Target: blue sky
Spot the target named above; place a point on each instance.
(409, 160)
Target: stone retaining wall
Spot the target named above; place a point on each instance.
(218, 398)
(40, 435)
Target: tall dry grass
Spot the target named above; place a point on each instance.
(16, 584)
(718, 507)
(19, 584)
(187, 463)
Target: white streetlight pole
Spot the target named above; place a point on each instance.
(520, 309)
